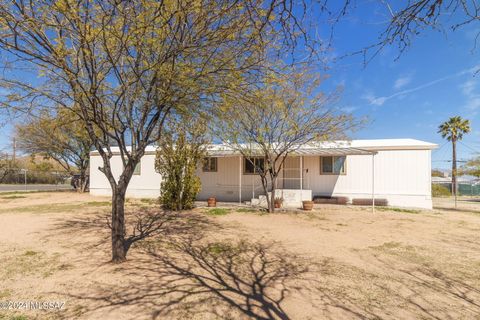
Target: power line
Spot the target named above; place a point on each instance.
(474, 150)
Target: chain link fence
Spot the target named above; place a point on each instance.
(24, 176)
(464, 188)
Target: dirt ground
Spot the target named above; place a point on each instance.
(336, 262)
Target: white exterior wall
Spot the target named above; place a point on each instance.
(401, 176)
(224, 184)
(145, 185)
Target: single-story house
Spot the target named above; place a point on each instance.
(398, 170)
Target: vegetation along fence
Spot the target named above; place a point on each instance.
(22, 176)
(464, 189)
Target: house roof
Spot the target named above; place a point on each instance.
(353, 147)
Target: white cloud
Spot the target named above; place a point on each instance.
(469, 90)
(373, 100)
(348, 109)
(473, 103)
(402, 82)
(468, 87)
(379, 101)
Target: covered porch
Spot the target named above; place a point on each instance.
(229, 176)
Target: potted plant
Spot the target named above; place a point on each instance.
(307, 205)
(278, 202)
(212, 202)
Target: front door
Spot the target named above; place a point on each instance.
(291, 173)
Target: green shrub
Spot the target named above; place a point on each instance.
(180, 151)
(439, 190)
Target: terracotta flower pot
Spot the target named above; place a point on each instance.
(307, 205)
(212, 202)
(277, 205)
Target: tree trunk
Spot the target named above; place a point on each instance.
(272, 198)
(454, 167)
(119, 250)
(265, 189)
(82, 181)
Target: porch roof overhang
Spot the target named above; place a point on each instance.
(224, 151)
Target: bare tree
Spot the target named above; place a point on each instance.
(275, 120)
(408, 19)
(123, 66)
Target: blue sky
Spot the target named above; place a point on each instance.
(410, 96)
(406, 97)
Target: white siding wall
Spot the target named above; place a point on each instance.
(401, 176)
(147, 184)
(224, 184)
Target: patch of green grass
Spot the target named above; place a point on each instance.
(5, 293)
(97, 204)
(35, 191)
(218, 211)
(149, 201)
(218, 248)
(388, 245)
(407, 253)
(247, 210)
(13, 317)
(403, 210)
(12, 197)
(313, 216)
(57, 207)
(29, 263)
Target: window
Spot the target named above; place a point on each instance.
(209, 165)
(253, 165)
(332, 165)
(137, 169)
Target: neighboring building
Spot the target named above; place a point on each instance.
(398, 170)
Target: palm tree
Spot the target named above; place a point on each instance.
(453, 130)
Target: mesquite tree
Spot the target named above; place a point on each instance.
(60, 136)
(123, 66)
(275, 120)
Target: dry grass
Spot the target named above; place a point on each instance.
(332, 263)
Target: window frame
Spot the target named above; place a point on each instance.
(209, 159)
(137, 171)
(255, 172)
(333, 173)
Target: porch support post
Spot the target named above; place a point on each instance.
(240, 179)
(373, 182)
(301, 172)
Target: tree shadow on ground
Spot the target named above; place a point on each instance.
(189, 267)
(186, 275)
(93, 230)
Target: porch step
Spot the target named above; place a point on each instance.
(260, 201)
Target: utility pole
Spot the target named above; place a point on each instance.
(14, 150)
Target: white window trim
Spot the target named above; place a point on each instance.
(341, 173)
(254, 166)
(139, 165)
